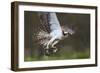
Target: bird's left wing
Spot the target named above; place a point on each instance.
(44, 21)
(43, 35)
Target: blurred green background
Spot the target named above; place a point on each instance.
(76, 46)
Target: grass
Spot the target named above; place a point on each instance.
(61, 56)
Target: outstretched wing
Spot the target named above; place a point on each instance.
(49, 22)
(53, 21)
(44, 21)
(43, 35)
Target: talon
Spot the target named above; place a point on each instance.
(44, 45)
(55, 50)
(47, 52)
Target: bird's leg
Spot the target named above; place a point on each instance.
(47, 46)
(50, 42)
(53, 45)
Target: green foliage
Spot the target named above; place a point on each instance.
(67, 55)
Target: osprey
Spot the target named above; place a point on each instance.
(52, 31)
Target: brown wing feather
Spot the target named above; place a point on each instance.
(43, 35)
(43, 16)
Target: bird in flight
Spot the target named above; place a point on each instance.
(52, 32)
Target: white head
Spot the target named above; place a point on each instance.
(67, 31)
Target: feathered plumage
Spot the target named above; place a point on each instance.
(52, 31)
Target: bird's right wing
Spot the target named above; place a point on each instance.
(49, 21)
(54, 22)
